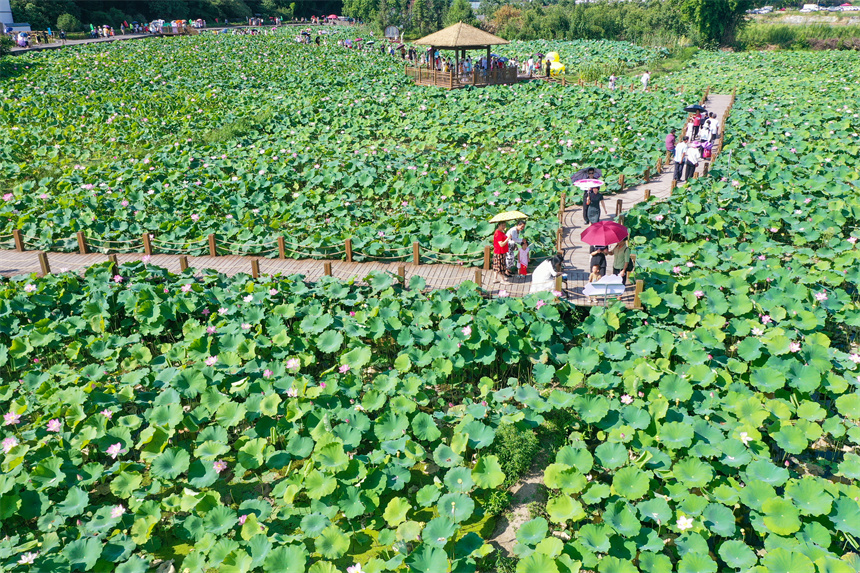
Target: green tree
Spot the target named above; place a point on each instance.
(460, 11)
(716, 21)
(68, 23)
(422, 15)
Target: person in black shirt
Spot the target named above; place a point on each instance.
(598, 257)
(591, 202)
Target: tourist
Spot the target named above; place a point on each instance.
(500, 249)
(595, 274)
(530, 67)
(705, 130)
(645, 77)
(612, 80)
(679, 158)
(670, 141)
(515, 238)
(548, 65)
(697, 123)
(543, 278)
(715, 127)
(524, 256)
(592, 201)
(621, 263)
(692, 160)
(598, 257)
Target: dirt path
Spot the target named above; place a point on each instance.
(527, 490)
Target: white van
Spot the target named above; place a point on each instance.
(810, 8)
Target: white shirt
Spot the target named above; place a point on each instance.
(544, 272)
(514, 236)
(645, 77)
(680, 150)
(693, 155)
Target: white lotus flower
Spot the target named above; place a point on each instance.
(685, 523)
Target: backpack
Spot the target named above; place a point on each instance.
(706, 153)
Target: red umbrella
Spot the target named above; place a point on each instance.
(604, 233)
(332, 17)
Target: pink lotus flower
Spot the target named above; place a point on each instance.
(211, 361)
(794, 347)
(9, 197)
(146, 258)
(211, 330)
(503, 294)
(114, 450)
(186, 288)
(355, 569)
(124, 203)
(30, 288)
(821, 296)
(249, 298)
(766, 319)
(627, 399)
(539, 304)
(855, 358)
(293, 364)
(352, 313)
(699, 294)
(9, 443)
(292, 393)
(222, 311)
(117, 279)
(242, 519)
(343, 369)
(467, 331)
(267, 373)
(55, 425)
(273, 291)
(107, 413)
(11, 418)
(658, 217)
(246, 326)
(676, 270)
(852, 240)
(322, 384)
(195, 217)
(757, 331)
(219, 466)
(117, 511)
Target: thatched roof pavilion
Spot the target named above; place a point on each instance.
(461, 37)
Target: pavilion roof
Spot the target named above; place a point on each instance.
(460, 35)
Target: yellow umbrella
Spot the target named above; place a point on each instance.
(508, 216)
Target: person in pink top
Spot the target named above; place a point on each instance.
(523, 254)
(670, 141)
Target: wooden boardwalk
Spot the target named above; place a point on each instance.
(577, 257)
(436, 276)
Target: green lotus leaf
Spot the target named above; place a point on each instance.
(693, 473)
(537, 563)
(565, 478)
(656, 510)
(846, 516)
(487, 472)
(286, 559)
(611, 454)
(171, 463)
(220, 519)
(332, 542)
(737, 554)
(719, 519)
(780, 516)
(313, 524)
(780, 560)
(75, 503)
(594, 537)
(533, 531)
(675, 435)
(424, 428)
(445, 457)
(622, 518)
(459, 480)
(809, 496)
(395, 511)
(579, 458)
(480, 435)
(765, 471)
(428, 559)
(438, 531)
(83, 553)
(564, 508)
(456, 506)
(135, 564)
(630, 482)
(696, 563)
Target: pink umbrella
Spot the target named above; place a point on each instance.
(332, 17)
(588, 183)
(604, 233)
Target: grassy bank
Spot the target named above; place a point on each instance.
(784, 36)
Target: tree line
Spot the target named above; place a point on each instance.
(706, 23)
(76, 15)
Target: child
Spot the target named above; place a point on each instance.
(523, 257)
(595, 274)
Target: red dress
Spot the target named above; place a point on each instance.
(499, 252)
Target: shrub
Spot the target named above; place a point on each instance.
(68, 23)
(516, 448)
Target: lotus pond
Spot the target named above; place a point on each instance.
(273, 425)
(253, 137)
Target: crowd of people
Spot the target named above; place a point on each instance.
(696, 145)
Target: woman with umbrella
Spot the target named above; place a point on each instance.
(500, 249)
(607, 233)
(588, 180)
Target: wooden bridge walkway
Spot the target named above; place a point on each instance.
(437, 276)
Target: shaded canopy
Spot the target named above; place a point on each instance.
(461, 36)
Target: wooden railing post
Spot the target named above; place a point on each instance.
(82, 243)
(183, 262)
(647, 173)
(488, 257)
(147, 244)
(114, 263)
(327, 268)
(282, 248)
(213, 247)
(673, 185)
(618, 208)
(43, 262)
(637, 303)
(558, 239)
(349, 250)
(705, 169)
(401, 272)
(621, 181)
(416, 253)
(558, 283)
(659, 167)
(19, 240)
(647, 194)
(255, 268)
(479, 278)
